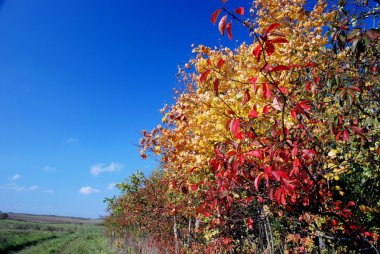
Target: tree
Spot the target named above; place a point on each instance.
(275, 145)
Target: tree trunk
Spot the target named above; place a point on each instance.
(175, 235)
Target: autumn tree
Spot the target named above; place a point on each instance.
(274, 146)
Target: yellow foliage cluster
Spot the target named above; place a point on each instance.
(199, 118)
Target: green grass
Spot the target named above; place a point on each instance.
(48, 238)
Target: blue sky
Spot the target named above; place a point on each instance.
(78, 81)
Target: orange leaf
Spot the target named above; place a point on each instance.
(240, 11)
(215, 15)
(229, 31)
(257, 52)
(271, 27)
(220, 63)
(204, 76)
(222, 24)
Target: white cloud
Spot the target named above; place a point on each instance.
(111, 186)
(19, 188)
(49, 191)
(87, 190)
(13, 186)
(15, 177)
(16, 187)
(50, 169)
(33, 188)
(72, 140)
(101, 168)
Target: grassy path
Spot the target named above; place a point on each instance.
(51, 238)
(50, 246)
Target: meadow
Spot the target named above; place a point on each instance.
(33, 237)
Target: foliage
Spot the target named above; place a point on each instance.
(273, 146)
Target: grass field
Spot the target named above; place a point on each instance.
(47, 237)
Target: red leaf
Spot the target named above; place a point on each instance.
(248, 200)
(253, 82)
(207, 214)
(284, 90)
(266, 91)
(247, 97)
(296, 162)
(279, 174)
(254, 153)
(250, 223)
(253, 113)
(194, 187)
(271, 27)
(304, 105)
(218, 152)
(355, 88)
(240, 135)
(345, 135)
(257, 52)
(220, 63)
(266, 109)
(269, 48)
(204, 76)
(216, 86)
(276, 104)
(283, 201)
(358, 131)
(222, 24)
(267, 67)
(280, 68)
(279, 40)
(257, 180)
(338, 136)
(229, 31)
(215, 15)
(277, 195)
(308, 86)
(294, 114)
(235, 127)
(240, 11)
